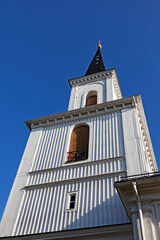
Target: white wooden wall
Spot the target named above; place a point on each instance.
(104, 88)
(44, 200)
(44, 208)
(136, 157)
(111, 137)
(15, 198)
(105, 141)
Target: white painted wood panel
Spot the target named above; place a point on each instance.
(136, 157)
(109, 166)
(105, 92)
(16, 195)
(105, 141)
(44, 209)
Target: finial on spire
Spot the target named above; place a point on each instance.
(99, 45)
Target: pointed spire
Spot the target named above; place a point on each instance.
(97, 64)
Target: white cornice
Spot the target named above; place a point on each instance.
(81, 113)
(111, 73)
(90, 78)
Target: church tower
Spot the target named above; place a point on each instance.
(84, 172)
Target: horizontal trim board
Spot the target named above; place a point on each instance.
(80, 163)
(74, 180)
(91, 77)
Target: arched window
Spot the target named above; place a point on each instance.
(78, 148)
(91, 98)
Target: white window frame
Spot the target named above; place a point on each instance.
(69, 194)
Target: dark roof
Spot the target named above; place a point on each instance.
(97, 64)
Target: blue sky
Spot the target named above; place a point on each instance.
(43, 43)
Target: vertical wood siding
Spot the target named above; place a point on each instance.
(105, 141)
(78, 171)
(44, 209)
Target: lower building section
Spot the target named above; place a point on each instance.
(116, 232)
(90, 202)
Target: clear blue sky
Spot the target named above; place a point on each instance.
(43, 43)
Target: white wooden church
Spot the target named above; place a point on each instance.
(90, 172)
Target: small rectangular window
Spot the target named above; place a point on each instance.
(71, 201)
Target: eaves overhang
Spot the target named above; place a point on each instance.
(148, 187)
(91, 77)
(81, 113)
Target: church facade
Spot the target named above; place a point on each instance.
(89, 172)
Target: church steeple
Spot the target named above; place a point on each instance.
(97, 64)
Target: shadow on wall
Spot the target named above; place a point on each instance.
(97, 210)
(45, 209)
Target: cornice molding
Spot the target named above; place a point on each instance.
(90, 78)
(81, 113)
(111, 73)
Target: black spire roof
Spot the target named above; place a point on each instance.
(97, 64)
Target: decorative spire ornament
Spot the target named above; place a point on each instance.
(99, 45)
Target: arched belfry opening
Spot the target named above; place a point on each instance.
(91, 98)
(78, 148)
